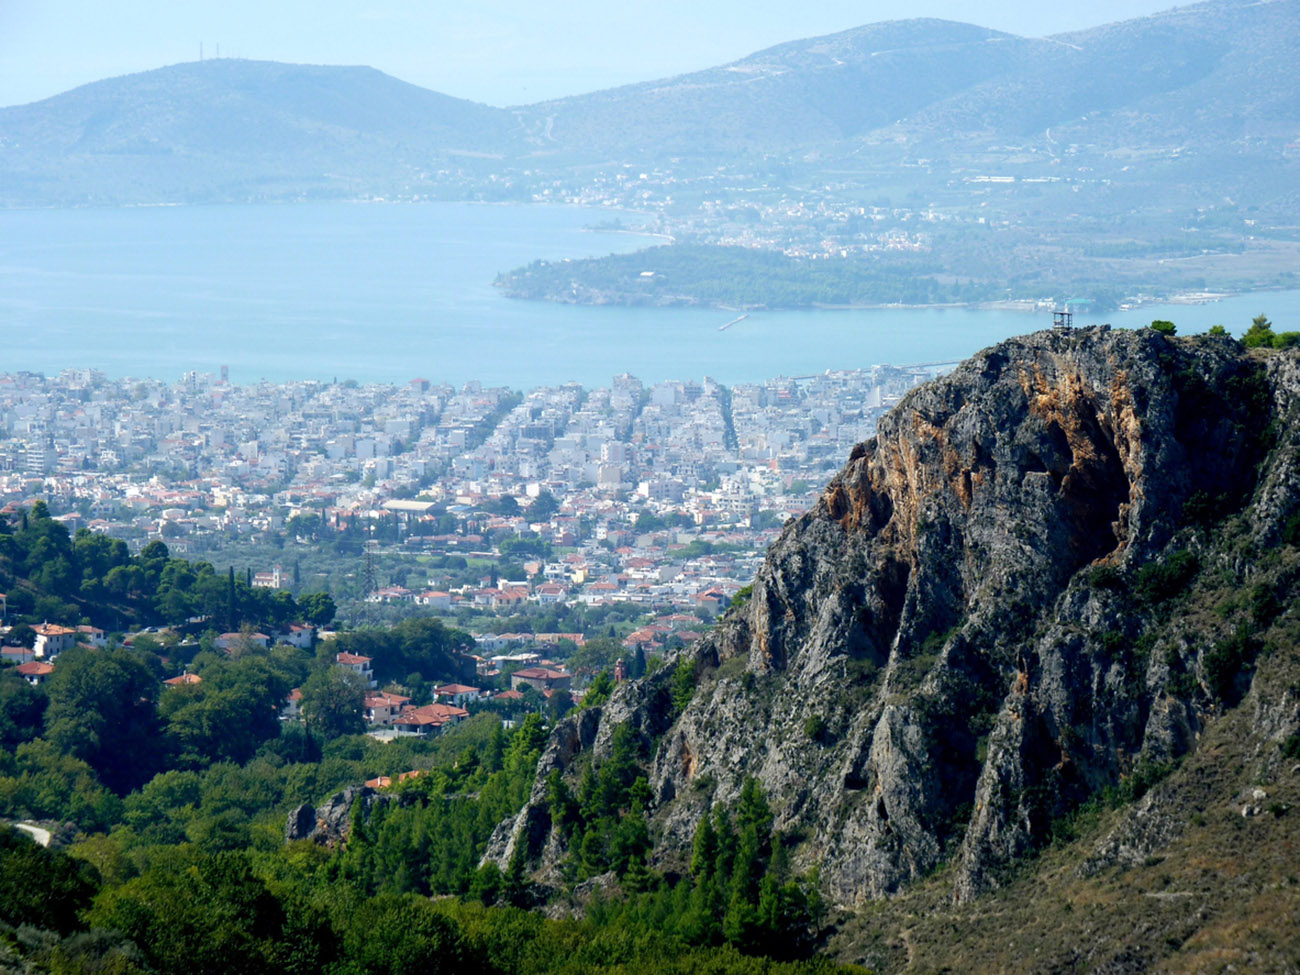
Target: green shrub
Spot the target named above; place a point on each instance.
(814, 727)
(1223, 662)
(1291, 747)
(1264, 604)
(683, 684)
(1291, 530)
(1112, 641)
(1164, 327)
(1202, 508)
(1106, 577)
(1158, 581)
(1144, 775)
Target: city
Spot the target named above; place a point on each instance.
(433, 498)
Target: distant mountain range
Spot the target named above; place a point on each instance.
(230, 129)
(1222, 75)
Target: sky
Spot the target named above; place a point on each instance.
(502, 52)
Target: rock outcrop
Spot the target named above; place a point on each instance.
(969, 633)
(330, 823)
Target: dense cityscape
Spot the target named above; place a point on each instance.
(662, 496)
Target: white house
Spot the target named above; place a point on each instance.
(52, 640)
(457, 694)
(358, 665)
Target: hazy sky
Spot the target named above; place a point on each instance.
(497, 51)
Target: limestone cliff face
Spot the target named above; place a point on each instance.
(945, 652)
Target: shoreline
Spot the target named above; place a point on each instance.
(1028, 306)
(629, 233)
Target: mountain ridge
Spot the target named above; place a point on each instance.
(1045, 581)
(1223, 70)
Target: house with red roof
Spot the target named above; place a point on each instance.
(299, 635)
(382, 708)
(52, 640)
(35, 672)
(292, 710)
(429, 720)
(17, 655)
(542, 679)
(384, 781)
(359, 665)
(229, 641)
(457, 694)
(92, 635)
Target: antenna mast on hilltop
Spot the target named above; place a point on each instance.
(1062, 319)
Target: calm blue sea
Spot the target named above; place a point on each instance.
(390, 292)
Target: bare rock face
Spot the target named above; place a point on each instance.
(942, 655)
(330, 823)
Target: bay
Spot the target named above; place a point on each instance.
(386, 293)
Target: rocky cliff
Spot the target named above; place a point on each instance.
(998, 608)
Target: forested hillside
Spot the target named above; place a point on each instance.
(167, 803)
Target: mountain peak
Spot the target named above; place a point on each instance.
(977, 627)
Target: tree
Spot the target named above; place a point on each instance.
(305, 524)
(1165, 328)
(420, 644)
(228, 716)
(42, 885)
(209, 915)
(506, 506)
(103, 709)
(317, 608)
(683, 683)
(405, 935)
(333, 702)
(232, 602)
(559, 704)
(598, 653)
(598, 691)
(1260, 333)
(544, 507)
(525, 546)
(22, 710)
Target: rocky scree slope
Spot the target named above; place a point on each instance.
(978, 625)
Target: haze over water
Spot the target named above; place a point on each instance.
(390, 292)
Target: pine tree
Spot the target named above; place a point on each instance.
(515, 886)
(704, 849)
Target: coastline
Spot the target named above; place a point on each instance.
(1027, 306)
(630, 233)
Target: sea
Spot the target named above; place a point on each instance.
(392, 292)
